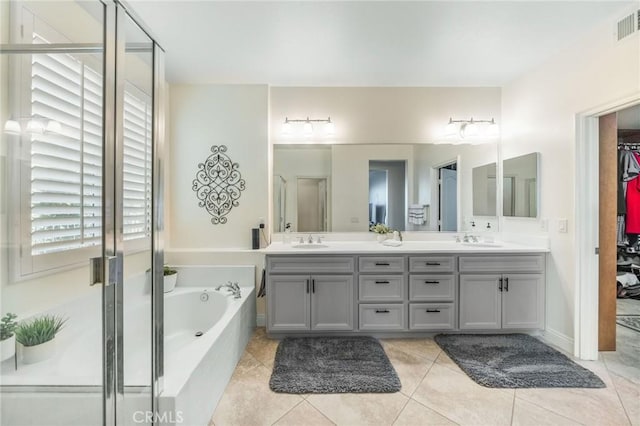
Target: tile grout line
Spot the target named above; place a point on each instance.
(613, 382)
(548, 409)
(513, 406)
(319, 411)
(435, 411)
(414, 391)
(395, 419)
(287, 412)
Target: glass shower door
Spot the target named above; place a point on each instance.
(134, 136)
(52, 211)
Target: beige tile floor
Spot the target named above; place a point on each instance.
(434, 392)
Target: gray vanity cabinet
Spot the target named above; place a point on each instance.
(319, 300)
(510, 298)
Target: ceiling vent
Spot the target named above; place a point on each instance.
(628, 25)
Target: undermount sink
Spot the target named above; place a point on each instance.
(485, 244)
(309, 246)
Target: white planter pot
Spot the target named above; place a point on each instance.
(170, 282)
(38, 353)
(8, 348)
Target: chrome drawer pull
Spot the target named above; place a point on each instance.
(382, 282)
(382, 263)
(432, 282)
(432, 311)
(432, 263)
(382, 311)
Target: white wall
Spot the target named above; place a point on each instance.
(538, 112)
(206, 115)
(201, 116)
(374, 115)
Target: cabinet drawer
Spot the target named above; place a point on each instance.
(431, 316)
(310, 265)
(504, 263)
(432, 264)
(382, 317)
(381, 264)
(383, 288)
(434, 288)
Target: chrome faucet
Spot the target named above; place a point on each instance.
(233, 287)
(310, 239)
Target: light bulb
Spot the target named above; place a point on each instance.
(54, 126)
(12, 127)
(471, 129)
(34, 126)
(286, 128)
(451, 129)
(307, 129)
(330, 128)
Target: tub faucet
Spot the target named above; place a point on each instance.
(233, 287)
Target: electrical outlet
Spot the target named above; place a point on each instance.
(563, 226)
(261, 222)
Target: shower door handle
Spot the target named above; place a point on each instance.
(97, 270)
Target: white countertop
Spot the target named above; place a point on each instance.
(352, 247)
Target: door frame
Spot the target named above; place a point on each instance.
(435, 189)
(587, 224)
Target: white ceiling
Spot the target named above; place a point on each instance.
(358, 43)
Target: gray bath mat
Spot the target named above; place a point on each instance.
(629, 321)
(332, 365)
(514, 361)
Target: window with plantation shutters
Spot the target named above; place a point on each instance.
(66, 166)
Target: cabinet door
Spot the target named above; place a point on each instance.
(523, 301)
(289, 302)
(332, 302)
(480, 301)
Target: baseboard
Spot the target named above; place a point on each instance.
(559, 340)
(261, 320)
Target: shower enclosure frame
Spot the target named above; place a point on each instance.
(111, 261)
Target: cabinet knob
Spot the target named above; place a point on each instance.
(432, 263)
(432, 282)
(382, 282)
(431, 311)
(382, 311)
(382, 263)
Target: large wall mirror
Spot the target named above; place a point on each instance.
(520, 186)
(484, 190)
(349, 187)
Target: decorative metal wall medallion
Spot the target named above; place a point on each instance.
(218, 184)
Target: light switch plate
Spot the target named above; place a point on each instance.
(563, 226)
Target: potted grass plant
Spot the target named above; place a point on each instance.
(7, 336)
(37, 337)
(382, 230)
(170, 278)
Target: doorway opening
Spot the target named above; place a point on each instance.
(448, 196)
(388, 193)
(312, 204)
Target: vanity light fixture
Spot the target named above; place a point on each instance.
(471, 128)
(307, 128)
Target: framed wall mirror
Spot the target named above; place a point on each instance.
(520, 186)
(409, 187)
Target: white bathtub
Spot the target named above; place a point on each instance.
(196, 369)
